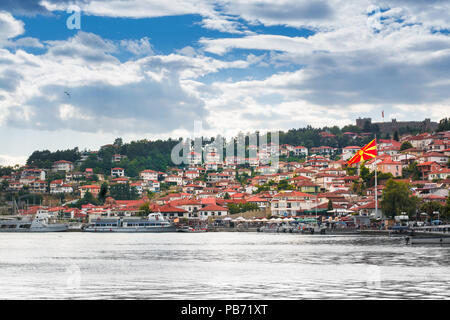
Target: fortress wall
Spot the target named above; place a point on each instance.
(394, 125)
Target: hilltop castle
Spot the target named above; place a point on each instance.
(394, 125)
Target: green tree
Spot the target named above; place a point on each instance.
(241, 207)
(351, 171)
(411, 171)
(118, 142)
(444, 125)
(406, 145)
(233, 208)
(123, 192)
(396, 138)
(103, 192)
(431, 206)
(446, 208)
(397, 198)
(284, 185)
(45, 158)
(4, 185)
(365, 174)
(6, 171)
(87, 199)
(145, 209)
(330, 205)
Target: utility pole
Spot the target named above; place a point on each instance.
(376, 184)
(316, 207)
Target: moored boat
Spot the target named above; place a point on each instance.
(155, 222)
(40, 223)
(191, 229)
(428, 240)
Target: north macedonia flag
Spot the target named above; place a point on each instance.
(367, 152)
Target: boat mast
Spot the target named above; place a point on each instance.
(15, 206)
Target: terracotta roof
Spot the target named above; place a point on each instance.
(90, 186)
(214, 207)
(169, 208)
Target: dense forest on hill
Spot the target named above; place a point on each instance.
(444, 125)
(310, 137)
(44, 159)
(140, 155)
(155, 155)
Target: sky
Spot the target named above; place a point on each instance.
(80, 73)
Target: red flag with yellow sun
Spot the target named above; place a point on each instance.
(369, 151)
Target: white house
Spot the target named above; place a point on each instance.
(37, 173)
(194, 157)
(213, 210)
(174, 179)
(148, 175)
(62, 165)
(117, 172)
(443, 173)
(291, 202)
(300, 151)
(153, 185)
(349, 151)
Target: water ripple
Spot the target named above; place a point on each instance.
(219, 266)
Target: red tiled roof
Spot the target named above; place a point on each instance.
(169, 208)
(214, 207)
(90, 186)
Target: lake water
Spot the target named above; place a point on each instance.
(228, 265)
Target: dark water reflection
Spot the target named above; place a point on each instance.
(219, 266)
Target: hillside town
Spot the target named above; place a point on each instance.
(319, 183)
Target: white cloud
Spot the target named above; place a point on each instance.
(134, 8)
(8, 160)
(138, 47)
(361, 60)
(222, 14)
(27, 42)
(146, 94)
(9, 27)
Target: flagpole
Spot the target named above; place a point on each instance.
(376, 185)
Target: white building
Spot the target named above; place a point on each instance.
(349, 152)
(148, 175)
(213, 210)
(62, 165)
(292, 202)
(118, 172)
(300, 151)
(174, 179)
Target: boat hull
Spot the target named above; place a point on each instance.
(56, 228)
(191, 231)
(130, 230)
(428, 240)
